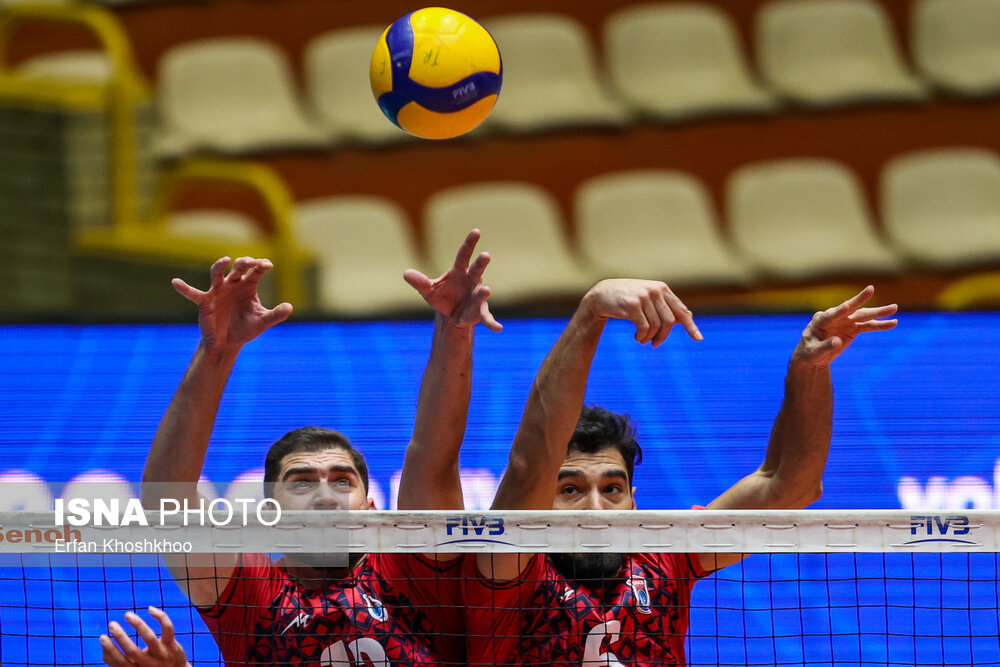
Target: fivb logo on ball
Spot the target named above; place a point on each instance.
(436, 73)
(114, 512)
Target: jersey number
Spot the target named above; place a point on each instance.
(592, 656)
(363, 651)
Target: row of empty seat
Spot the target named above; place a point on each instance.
(666, 60)
(789, 220)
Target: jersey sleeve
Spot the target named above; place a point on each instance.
(496, 611)
(254, 584)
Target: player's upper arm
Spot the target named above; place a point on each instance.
(748, 493)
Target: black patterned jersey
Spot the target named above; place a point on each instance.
(541, 618)
(265, 616)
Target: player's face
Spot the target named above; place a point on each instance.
(596, 481)
(324, 480)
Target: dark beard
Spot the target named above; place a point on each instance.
(338, 564)
(590, 569)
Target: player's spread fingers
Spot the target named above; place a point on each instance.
(278, 314)
(152, 642)
(684, 316)
(667, 320)
(638, 317)
(858, 300)
(240, 267)
(878, 325)
(487, 317)
(110, 653)
(128, 646)
(190, 293)
(218, 270)
(653, 317)
(479, 267)
(166, 625)
(866, 314)
(257, 271)
(468, 247)
(417, 281)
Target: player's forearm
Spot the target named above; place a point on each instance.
(800, 440)
(430, 478)
(177, 454)
(550, 416)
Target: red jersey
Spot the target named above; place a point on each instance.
(542, 618)
(375, 615)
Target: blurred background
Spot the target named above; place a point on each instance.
(755, 155)
(760, 157)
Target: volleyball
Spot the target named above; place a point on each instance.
(436, 73)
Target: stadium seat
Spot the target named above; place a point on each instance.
(654, 224)
(232, 95)
(680, 59)
(550, 76)
(72, 66)
(522, 231)
(942, 207)
(798, 219)
(214, 224)
(956, 44)
(364, 244)
(337, 83)
(829, 52)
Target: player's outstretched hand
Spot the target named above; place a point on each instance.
(649, 304)
(832, 330)
(230, 312)
(161, 651)
(459, 294)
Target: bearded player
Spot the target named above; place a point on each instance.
(618, 609)
(300, 609)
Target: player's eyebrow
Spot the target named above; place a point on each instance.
(615, 473)
(301, 470)
(306, 470)
(350, 470)
(569, 472)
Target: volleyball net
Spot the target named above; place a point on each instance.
(867, 587)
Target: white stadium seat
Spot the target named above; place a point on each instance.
(956, 44)
(654, 224)
(232, 95)
(337, 83)
(522, 230)
(363, 244)
(550, 76)
(942, 207)
(672, 60)
(214, 225)
(828, 52)
(92, 67)
(799, 219)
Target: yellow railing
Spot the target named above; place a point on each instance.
(152, 239)
(125, 90)
(978, 290)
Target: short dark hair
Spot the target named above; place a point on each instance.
(309, 439)
(599, 429)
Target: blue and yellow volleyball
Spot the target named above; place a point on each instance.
(436, 73)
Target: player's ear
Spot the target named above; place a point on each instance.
(634, 506)
(371, 504)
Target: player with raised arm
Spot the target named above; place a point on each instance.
(617, 609)
(300, 609)
(163, 651)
